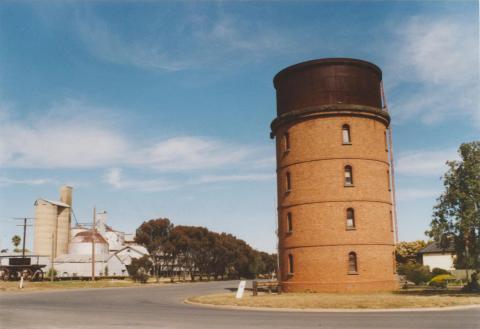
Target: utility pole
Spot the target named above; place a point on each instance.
(24, 232)
(94, 231)
(52, 270)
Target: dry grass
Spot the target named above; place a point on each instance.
(13, 286)
(414, 299)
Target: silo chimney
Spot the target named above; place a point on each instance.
(66, 194)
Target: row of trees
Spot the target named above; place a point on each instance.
(191, 251)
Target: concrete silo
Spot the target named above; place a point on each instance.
(52, 224)
(335, 221)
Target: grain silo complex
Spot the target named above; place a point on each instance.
(52, 224)
(336, 223)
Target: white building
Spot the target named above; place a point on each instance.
(434, 256)
(112, 253)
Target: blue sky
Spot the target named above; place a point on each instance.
(162, 109)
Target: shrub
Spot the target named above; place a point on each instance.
(415, 273)
(437, 271)
(441, 280)
(139, 269)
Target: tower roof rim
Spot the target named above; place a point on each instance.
(326, 61)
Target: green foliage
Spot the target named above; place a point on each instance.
(415, 273)
(409, 251)
(456, 217)
(16, 240)
(49, 273)
(199, 252)
(139, 269)
(441, 281)
(154, 236)
(437, 271)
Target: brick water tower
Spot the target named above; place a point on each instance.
(336, 223)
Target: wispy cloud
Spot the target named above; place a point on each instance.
(116, 179)
(424, 162)
(75, 135)
(194, 42)
(6, 181)
(61, 137)
(435, 69)
(66, 136)
(412, 194)
(190, 153)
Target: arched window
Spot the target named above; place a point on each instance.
(386, 141)
(289, 223)
(394, 263)
(391, 221)
(290, 264)
(388, 180)
(286, 142)
(350, 218)
(346, 134)
(352, 263)
(289, 182)
(348, 175)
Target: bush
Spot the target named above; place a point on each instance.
(441, 280)
(415, 273)
(49, 273)
(437, 271)
(139, 269)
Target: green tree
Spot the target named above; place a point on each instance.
(415, 273)
(139, 269)
(409, 251)
(154, 236)
(16, 241)
(456, 217)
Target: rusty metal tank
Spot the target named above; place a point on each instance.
(328, 81)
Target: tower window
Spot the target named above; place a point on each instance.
(386, 141)
(352, 263)
(394, 263)
(350, 219)
(289, 182)
(289, 223)
(348, 176)
(388, 180)
(391, 221)
(346, 134)
(286, 142)
(290, 264)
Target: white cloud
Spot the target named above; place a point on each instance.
(191, 153)
(115, 178)
(66, 136)
(424, 162)
(73, 134)
(436, 60)
(411, 194)
(6, 181)
(194, 42)
(235, 178)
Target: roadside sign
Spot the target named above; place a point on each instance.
(241, 289)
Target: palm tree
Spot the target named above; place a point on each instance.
(16, 240)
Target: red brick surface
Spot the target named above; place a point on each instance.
(320, 241)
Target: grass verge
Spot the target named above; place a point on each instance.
(384, 300)
(13, 286)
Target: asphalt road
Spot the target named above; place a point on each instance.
(163, 307)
